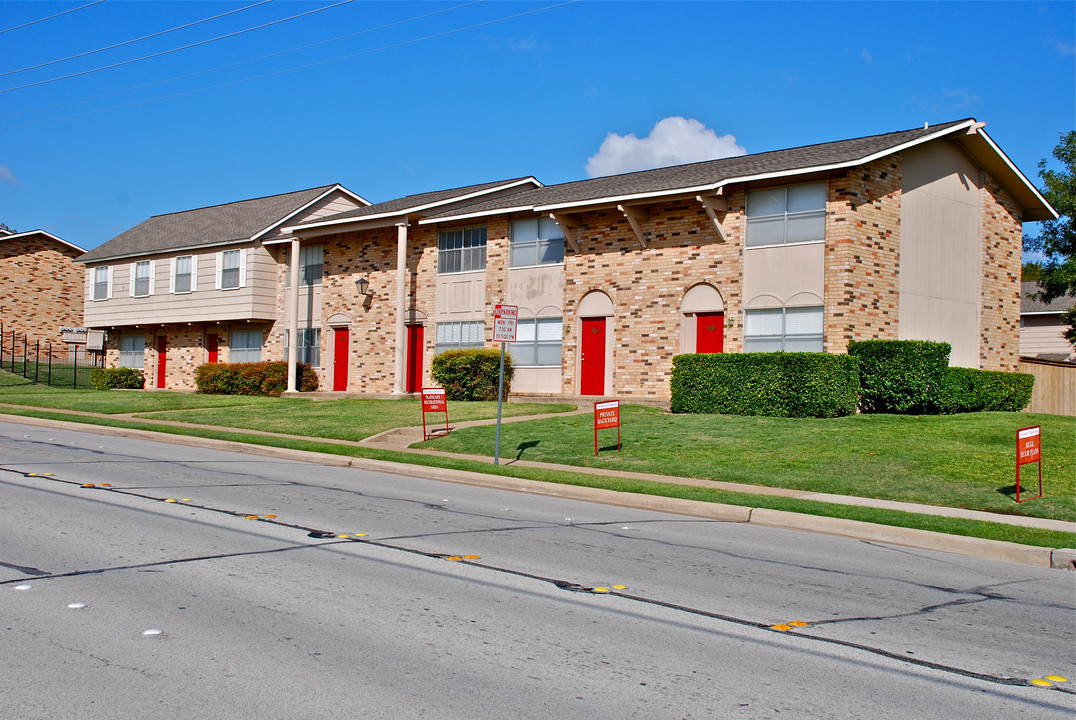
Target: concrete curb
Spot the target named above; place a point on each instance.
(1061, 558)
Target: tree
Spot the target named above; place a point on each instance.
(1057, 241)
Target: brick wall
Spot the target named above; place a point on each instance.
(1002, 238)
(41, 289)
(862, 271)
(647, 285)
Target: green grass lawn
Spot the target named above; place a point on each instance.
(965, 461)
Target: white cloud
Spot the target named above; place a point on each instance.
(1066, 49)
(866, 55)
(673, 141)
(7, 177)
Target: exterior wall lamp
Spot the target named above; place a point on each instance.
(363, 286)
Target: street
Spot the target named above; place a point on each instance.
(288, 589)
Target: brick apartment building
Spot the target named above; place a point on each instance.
(912, 235)
(40, 285)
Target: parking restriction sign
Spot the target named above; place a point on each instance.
(504, 323)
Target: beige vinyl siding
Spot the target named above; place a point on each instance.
(940, 251)
(1042, 334)
(255, 301)
(335, 202)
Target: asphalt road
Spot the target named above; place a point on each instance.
(448, 601)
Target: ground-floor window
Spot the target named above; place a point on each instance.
(783, 329)
(133, 351)
(539, 342)
(245, 346)
(459, 335)
(309, 348)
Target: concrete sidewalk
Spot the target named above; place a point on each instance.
(400, 439)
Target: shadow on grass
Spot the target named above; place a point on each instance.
(525, 446)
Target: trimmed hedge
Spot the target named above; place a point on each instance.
(970, 390)
(773, 384)
(260, 378)
(901, 376)
(120, 377)
(471, 374)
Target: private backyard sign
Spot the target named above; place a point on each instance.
(606, 415)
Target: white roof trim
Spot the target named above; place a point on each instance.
(1016, 171)
(298, 210)
(415, 208)
(1041, 312)
(41, 232)
(483, 213)
(170, 252)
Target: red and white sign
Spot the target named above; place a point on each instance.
(504, 323)
(606, 415)
(1028, 450)
(434, 400)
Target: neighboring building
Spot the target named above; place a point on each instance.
(1041, 327)
(199, 286)
(908, 235)
(40, 285)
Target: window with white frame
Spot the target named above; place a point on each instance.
(231, 269)
(102, 282)
(783, 330)
(786, 215)
(184, 274)
(459, 335)
(309, 349)
(537, 241)
(133, 351)
(461, 249)
(245, 346)
(142, 273)
(539, 343)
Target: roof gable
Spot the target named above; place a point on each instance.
(29, 233)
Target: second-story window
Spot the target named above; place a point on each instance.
(461, 249)
(102, 282)
(786, 215)
(142, 278)
(538, 241)
(231, 272)
(184, 274)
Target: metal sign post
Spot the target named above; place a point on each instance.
(505, 318)
(1028, 450)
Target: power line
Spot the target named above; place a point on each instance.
(129, 42)
(300, 67)
(50, 17)
(241, 62)
(168, 52)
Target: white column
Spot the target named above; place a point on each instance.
(401, 308)
(291, 311)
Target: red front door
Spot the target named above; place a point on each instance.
(162, 359)
(414, 358)
(710, 333)
(592, 357)
(212, 347)
(341, 344)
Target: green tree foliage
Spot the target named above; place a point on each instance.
(1057, 241)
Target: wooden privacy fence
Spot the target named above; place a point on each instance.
(66, 365)
(1055, 386)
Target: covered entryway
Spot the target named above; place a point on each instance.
(702, 324)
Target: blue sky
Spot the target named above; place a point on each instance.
(430, 95)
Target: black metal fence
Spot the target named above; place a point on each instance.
(55, 364)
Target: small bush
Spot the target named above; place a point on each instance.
(901, 376)
(471, 374)
(120, 377)
(261, 378)
(773, 384)
(970, 390)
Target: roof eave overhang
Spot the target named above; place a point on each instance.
(165, 251)
(322, 196)
(991, 157)
(476, 215)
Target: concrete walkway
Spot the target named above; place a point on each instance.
(400, 440)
